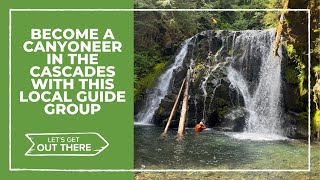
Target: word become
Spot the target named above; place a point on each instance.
(73, 46)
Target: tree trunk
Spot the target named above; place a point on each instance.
(184, 106)
(174, 107)
(279, 29)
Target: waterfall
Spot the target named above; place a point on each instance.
(238, 81)
(265, 101)
(204, 85)
(261, 96)
(210, 70)
(161, 89)
(244, 62)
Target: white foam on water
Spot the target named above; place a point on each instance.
(143, 124)
(257, 136)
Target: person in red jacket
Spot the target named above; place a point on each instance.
(200, 127)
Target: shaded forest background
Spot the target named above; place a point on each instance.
(159, 34)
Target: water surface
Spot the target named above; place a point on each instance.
(213, 149)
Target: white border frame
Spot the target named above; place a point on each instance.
(163, 170)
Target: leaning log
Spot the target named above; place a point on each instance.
(184, 108)
(174, 107)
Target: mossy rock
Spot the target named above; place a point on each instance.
(149, 80)
(223, 111)
(292, 75)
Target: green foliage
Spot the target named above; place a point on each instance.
(300, 66)
(316, 87)
(172, 27)
(301, 77)
(271, 19)
(148, 81)
(316, 48)
(316, 69)
(316, 121)
(145, 61)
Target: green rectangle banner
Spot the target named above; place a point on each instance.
(70, 79)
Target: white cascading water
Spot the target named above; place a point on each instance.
(238, 81)
(208, 73)
(161, 89)
(263, 104)
(261, 96)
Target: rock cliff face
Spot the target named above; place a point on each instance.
(237, 84)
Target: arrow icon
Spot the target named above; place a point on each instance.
(66, 144)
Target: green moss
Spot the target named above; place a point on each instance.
(292, 76)
(300, 67)
(198, 67)
(291, 51)
(149, 80)
(223, 111)
(209, 91)
(196, 71)
(316, 68)
(222, 107)
(230, 52)
(161, 110)
(316, 121)
(220, 102)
